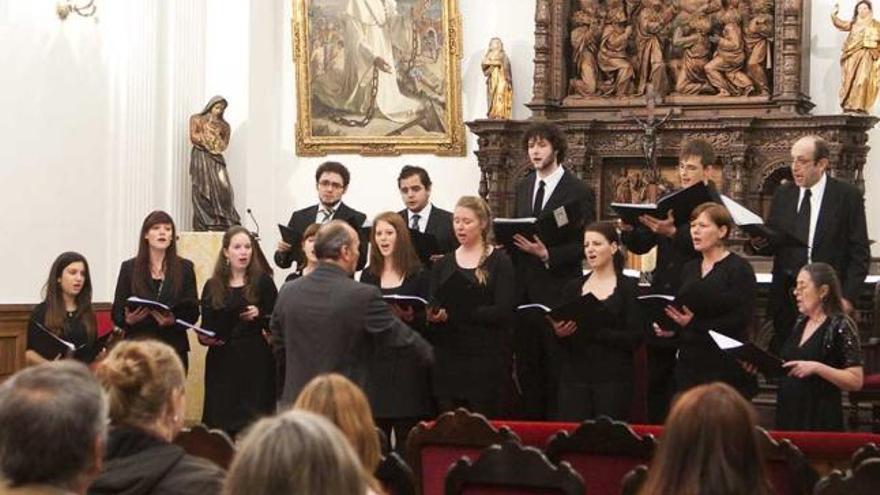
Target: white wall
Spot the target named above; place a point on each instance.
(94, 121)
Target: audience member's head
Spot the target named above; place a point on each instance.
(331, 180)
(818, 290)
(295, 452)
(709, 445)
(345, 405)
(711, 224)
(144, 380)
(53, 425)
(694, 160)
(337, 242)
(414, 184)
(391, 246)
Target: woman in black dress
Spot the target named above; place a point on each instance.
(157, 274)
(822, 354)
(594, 359)
(239, 368)
(399, 388)
(717, 293)
(308, 249)
(472, 365)
(66, 311)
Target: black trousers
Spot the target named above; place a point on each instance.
(581, 401)
(661, 382)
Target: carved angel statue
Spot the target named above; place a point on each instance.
(614, 62)
(759, 39)
(212, 197)
(499, 82)
(859, 59)
(585, 36)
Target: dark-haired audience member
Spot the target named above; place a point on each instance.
(420, 214)
(144, 381)
(594, 359)
(157, 273)
(829, 216)
(399, 387)
(327, 322)
(66, 310)
(822, 354)
(310, 261)
(710, 445)
(672, 238)
(718, 293)
(339, 400)
(473, 367)
(53, 425)
(239, 370)
(331, 182)
(541, 270)
(295, 452)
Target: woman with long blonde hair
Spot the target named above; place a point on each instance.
(472, 345)
(345, 405)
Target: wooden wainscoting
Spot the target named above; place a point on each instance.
(13, 337)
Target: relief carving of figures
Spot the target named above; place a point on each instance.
(692, 36)
(859, 59)
(586, 35)
(499, 82)
(725, 70)
(758, 38)
(212, 197)
(613, 59)
(650, 26)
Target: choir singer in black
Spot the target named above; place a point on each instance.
(595, 358)
(717, 293)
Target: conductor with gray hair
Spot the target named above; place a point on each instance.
(53, 426)
(327, 322)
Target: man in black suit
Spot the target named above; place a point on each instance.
(542, 269)
(328, 322)
(672, 238)
(331, 181)
(420, 214)
(829, 216)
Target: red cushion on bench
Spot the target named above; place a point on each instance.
(872, 381)
(436, 461)
(602, 473)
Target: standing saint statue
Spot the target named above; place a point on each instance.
(499, 82)
(860, 58)
(213, 206)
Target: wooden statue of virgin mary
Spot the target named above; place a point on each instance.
(212, 197)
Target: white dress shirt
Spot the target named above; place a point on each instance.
(319, 217)
(550, 183)
(423, 217)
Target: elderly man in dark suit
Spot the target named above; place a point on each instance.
(328, 322)
(829, 216)
(331, 181)
(421, 215)
(541, 269)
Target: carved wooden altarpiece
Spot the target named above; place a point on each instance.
(752, 131)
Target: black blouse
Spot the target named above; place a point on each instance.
(225, 320)
(185, 306)
(603, 353)
(813, 403)
(73, 331)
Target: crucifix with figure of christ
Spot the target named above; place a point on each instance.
(651, 128)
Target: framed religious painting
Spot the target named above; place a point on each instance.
(377, 77)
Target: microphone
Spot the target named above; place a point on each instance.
(257, 225)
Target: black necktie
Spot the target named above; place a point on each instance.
(414, 224)
(539, 200)
(802, 222)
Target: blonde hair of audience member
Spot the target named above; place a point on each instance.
(483, 215)
(709, 445)
(403, 258)
(144, 380)
(295, 452)
(342, 402)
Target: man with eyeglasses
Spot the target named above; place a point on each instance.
(331, 181)
(829, 216)
(672, 237)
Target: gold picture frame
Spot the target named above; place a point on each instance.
(348, 102)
